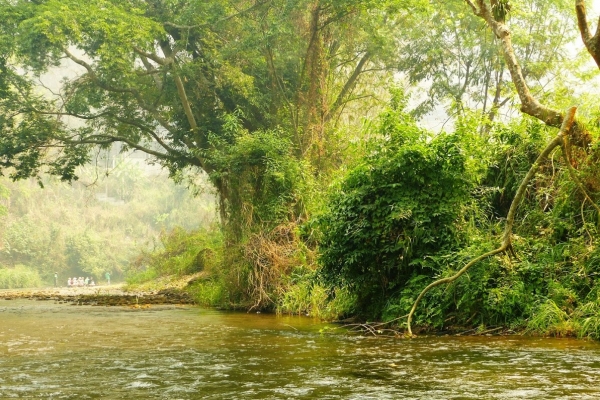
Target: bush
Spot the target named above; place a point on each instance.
(394, 213)
(549, 319)
(209, 292)
(19, 277)
(182, 253)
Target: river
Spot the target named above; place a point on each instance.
(59, 351)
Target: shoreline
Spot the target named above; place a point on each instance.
(102, 295)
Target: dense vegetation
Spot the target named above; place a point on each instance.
(395, 213)
(312, 120)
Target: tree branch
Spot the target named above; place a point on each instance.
(95, 77)
(497, 104)
(475, 11)
(133, 123)
(462, 90)
(529, 104)
(149, 131)
(224, 19)
(107, 139)
(350, 83)
(164, 123)
(152, 71)
(592, 43)
(582, 20)
(181, 93)
(575, 178)
(157, 59)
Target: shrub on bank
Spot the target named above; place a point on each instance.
(181, 253)
(19, 277)
(395, 214)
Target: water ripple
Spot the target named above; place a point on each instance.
(89, 353)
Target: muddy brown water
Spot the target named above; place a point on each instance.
(59, 351)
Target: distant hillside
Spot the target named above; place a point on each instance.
(96, 224)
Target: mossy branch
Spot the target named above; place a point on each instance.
(510, 218)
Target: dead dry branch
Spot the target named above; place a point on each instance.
(271, 256)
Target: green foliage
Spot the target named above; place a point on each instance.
(516, 147)
(265, 182)
(19, 277)
(549, 319)
(304, 296)
(166, 72)
(343, 304)
(267, 100)
(299, 299)
(552, 281)
(394, 212)
(588, 316)
(194, 259)
(468, 44)
(85, 253)
(182, 253)
(211, 292)
(500, 9)
(548, 289)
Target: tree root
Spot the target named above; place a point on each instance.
(506, 245)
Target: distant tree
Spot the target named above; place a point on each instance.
(456, 59)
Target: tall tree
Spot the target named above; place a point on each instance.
(571, 131)
(457, 59)
(181, 80)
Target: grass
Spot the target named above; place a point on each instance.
(551, 320)
(19, 277)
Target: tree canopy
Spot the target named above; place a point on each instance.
(179, 80)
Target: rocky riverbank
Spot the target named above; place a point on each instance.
(112, 295)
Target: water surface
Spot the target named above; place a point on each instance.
(58, 351)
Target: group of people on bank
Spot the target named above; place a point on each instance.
(80, 282)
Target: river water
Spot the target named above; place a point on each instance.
(59, 351)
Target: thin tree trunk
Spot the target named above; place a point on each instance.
(592, 43)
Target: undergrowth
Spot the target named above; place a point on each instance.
(416, 209)
(19, 277)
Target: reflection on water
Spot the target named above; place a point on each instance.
(81, 352)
